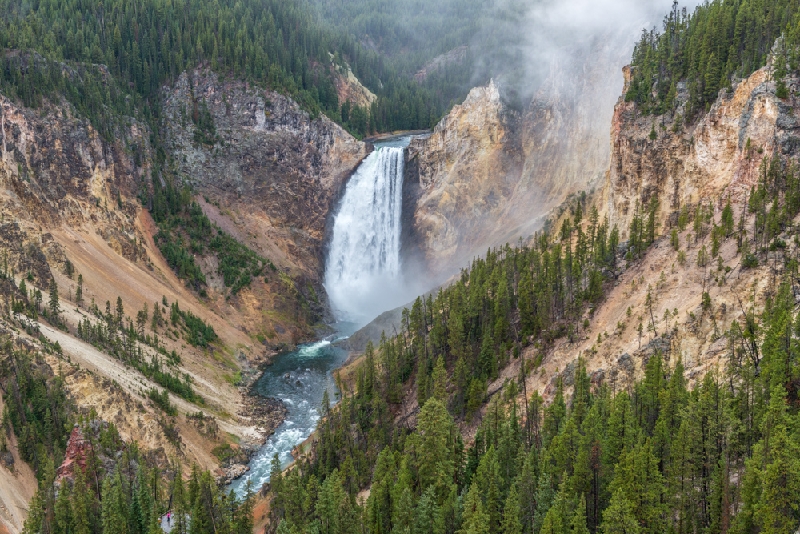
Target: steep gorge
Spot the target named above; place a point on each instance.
(270, 175)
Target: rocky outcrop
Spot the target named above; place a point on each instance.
(459, 179)
(55, 169)
(350, 89)
(75, 457)
(489, 174)
(276, 170)
(714, 157)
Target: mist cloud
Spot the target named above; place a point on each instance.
(524, 40)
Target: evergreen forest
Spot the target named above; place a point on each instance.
(704, 52)
(119, 54)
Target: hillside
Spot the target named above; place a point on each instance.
(632, 369)
(71, 222)
(90, 211)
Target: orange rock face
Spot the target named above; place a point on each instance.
(78, 450)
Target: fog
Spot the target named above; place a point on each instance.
(520, 42)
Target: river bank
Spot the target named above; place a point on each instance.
(392, 136)
(295, 381)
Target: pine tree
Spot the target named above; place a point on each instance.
(114, 514)
(82, 503)
(333, 509)
(545, 495)
(475, 520)
(772, 476)
(63, 521)
(180, 503)
(120, 312)
(379, 504)
(511, 513)
(156, 321)
(402, 509)
(204, 511)
(638, 478)
(439, 378)
(578, 523)
(243, 516)
(53, 303)
(487, 480)
(557, 520)
(618, 518)
(79, 291)
(435, 427)
(427, 515)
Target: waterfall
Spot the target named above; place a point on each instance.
(363, 272)
(363, 277)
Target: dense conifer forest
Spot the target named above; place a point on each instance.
(708, 50)
(114, 487)
(146, 43)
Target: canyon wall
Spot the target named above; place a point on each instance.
(489, 174)
(710, 159)
(277, 171)
(688, 305)
(56, 170)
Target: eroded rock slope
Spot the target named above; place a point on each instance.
(277, 171)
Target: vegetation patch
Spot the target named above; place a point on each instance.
(186, 232)
(161, 399)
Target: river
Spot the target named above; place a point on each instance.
(363, 277)
(299, 379)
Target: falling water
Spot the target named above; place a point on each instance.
(363, 272)
(363, 278)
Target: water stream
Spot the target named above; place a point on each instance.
(299, 378)
(363, 278)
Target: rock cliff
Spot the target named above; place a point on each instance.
(715, 157)
(350, 89)
(489, 174)
(276, 171)
(56, 170)
(712, 158)
(459, 178)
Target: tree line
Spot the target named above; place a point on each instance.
(280, 45)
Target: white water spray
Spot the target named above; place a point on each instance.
(363, 272)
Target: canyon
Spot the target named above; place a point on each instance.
(71, 207)
(273, 177)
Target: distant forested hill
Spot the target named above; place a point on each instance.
(145, 43)
(412, 34)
